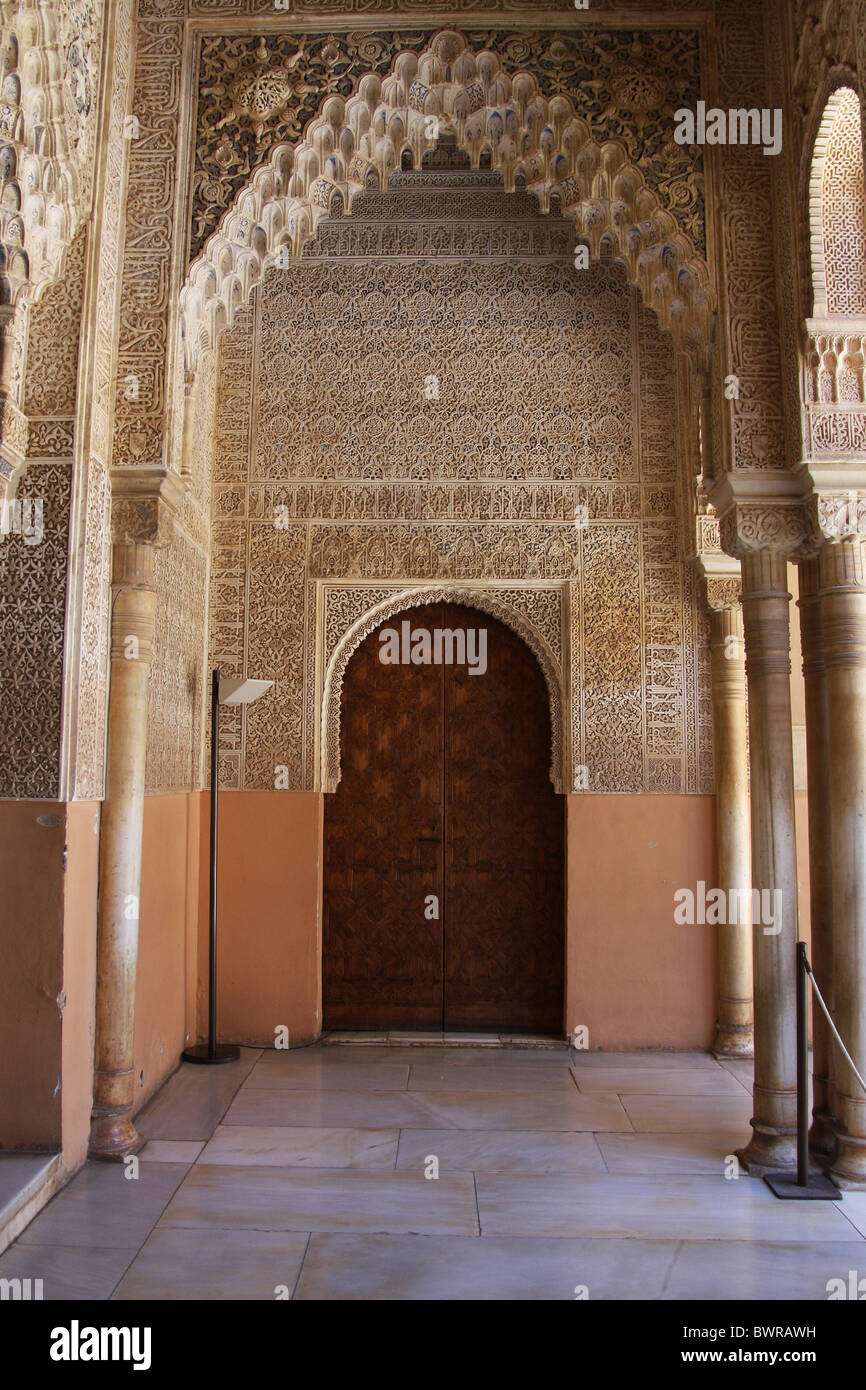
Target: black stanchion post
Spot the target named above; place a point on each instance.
(209, 1052)
(802, 1067)
(802, 1186)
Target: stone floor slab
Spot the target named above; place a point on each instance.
(279, 1199)
(500, 1151)
(450, 1268)
(296, 1074)
(480, 1078)
(214, 1265)
(854, 1207)
(687, 1208)
(743, 1068)
(68, 1271)
(727, 1270)
(193, 1101)
(699, 1153)
(543, 1109)
(102, 1207)
(645, 1061)
(677, 1114)
(171, 1151)
(678, 1081)
(283, 1146)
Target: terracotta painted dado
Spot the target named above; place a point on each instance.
(627, 960)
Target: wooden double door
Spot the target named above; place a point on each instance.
(444, 842)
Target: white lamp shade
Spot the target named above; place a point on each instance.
(237, 690)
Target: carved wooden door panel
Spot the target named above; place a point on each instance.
(445, 791)
(504, 835)
(382, 958)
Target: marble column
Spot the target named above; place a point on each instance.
(843, 604)
(734, 1026)
(766, 603)
(821, 1137)
(113, 1134)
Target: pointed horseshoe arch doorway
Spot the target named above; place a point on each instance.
(445, 840)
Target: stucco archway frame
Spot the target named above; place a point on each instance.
(485, 599)
(828, 108)
(42, 202)
(355, 143)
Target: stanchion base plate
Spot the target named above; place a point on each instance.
(224, 1052)
(818, 1189)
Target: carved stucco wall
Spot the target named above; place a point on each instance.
(170, 72)
(33, 575)
(827, 51)
(255, 92)
(54, 598)
(178, 675)
(49, 68)
(556, 392)
(624, 79)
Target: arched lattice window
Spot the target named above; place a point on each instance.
(838, 206)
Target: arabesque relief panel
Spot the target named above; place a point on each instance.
(257, 86)
(501, 424)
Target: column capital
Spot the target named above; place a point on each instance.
(724, 595)
(842, 565)
(763, 511)
(143, 503)
(722, 581)
(836, 499)
(783, 529)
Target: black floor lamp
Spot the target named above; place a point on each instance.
(233, 691)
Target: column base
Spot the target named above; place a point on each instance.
(822, 1135)
(769, 1150)
(733, 1040)
(848, 1167)
(113, 1137)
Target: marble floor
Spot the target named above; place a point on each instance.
(310, 1175)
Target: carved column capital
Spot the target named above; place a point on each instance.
(724, 593)
(763, 512)
(776, 528)
(722, 578)
(143, 504)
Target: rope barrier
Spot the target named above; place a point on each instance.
(833, 1027)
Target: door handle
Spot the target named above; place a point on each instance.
(428, 840)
